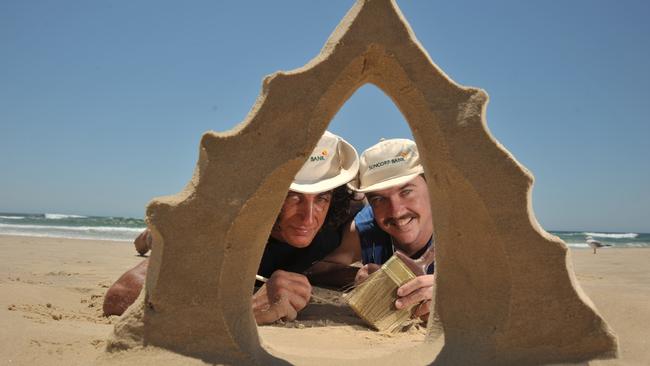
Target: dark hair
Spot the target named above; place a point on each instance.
(339, 211)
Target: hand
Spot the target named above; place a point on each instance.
(365, 271)
(420, 289)
(281, 297)
(416, 291)
(143, 242)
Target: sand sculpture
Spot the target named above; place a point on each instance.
(506, 292)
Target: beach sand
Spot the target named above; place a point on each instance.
(51, 291)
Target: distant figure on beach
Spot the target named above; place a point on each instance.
(308, 227)
(397, 219)
(595, 244)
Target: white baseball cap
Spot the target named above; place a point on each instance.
(387, 164)
(333, 163)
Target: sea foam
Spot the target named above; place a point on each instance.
(104, 229)
(578, 245)
(613, 235)
(54, 216)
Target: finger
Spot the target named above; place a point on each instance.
(422, 309)
(365, 272)
(415, 284)
(269, 307)
(269, 314)
(291, 277)
(298, 301)
(373, 267)
(277, 310)
(361, 275)
(413, 298)
(266, 316)
(290, 312)
(292, 286)
(300, 290)
(295, 282)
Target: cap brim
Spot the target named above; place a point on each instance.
(348, 172)
(398, 181)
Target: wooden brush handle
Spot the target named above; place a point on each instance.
(419, 266)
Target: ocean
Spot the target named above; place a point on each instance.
(576, 239)
(71, 226)
(126, 229)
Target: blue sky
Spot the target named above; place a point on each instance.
(102, 104)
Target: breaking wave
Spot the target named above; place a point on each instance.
(613, 235)
(54, 216)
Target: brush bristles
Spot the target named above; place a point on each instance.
(374, 299)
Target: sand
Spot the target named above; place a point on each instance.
(51, 293)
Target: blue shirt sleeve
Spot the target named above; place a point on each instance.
(376, 245)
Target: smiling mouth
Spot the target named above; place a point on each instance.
(401, 223)
(302, 231)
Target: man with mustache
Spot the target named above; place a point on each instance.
(398, 218)
(308, 227)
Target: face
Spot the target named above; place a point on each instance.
(301, 217)
(404, 213)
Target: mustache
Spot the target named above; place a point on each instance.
(394, 220)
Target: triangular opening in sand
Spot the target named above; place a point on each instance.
(327, 325)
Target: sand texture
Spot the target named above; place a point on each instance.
(51, 292)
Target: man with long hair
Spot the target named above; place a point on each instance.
(308, 227)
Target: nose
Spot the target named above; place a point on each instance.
(307, 212)
(396, 207)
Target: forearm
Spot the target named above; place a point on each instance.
(118, 298)
(125, 290)
(325, 273)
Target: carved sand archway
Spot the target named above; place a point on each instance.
(506, 292)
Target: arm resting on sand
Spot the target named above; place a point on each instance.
(334, 270)
(125, 290)
(331, 274)
(282, 296)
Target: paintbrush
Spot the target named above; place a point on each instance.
(374, 299)
(261, 278)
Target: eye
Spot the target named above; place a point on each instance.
(323, 199)
(405, 192)
(292, 198)
(375, 200)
